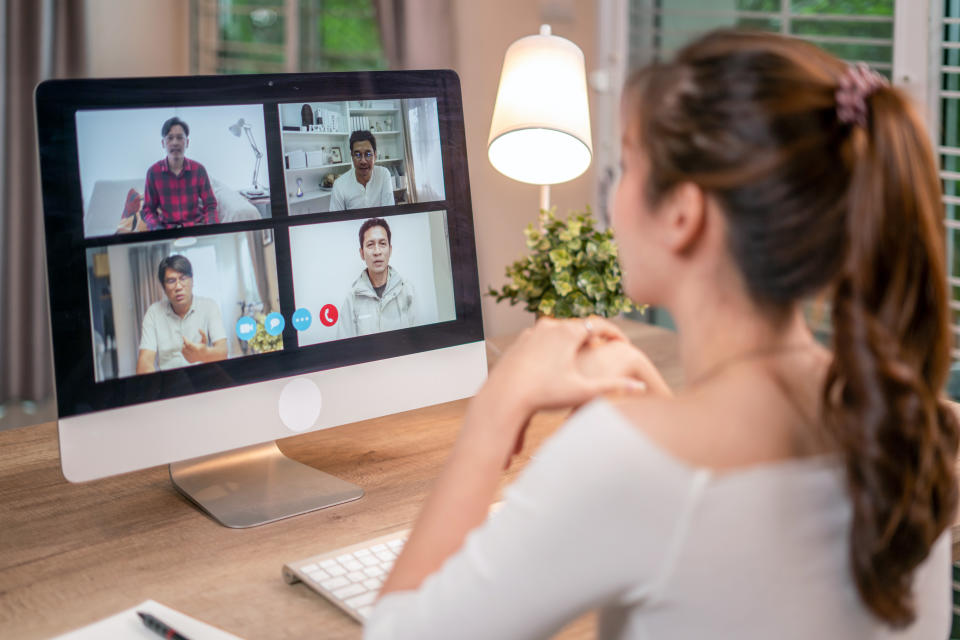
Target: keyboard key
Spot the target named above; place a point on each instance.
(374, 572)
(334, 583)
(328, 563)
(396, 545)
(336, 570)
(378, 547)
(369, 560)
(346, 557)
(373, 583)
(309, 568)
(356, 576)
(362, 600)
(349, 591)
(352, 565)
(319, 575)
(385, 556)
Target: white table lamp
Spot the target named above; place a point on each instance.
(540, 132)
(238, 129)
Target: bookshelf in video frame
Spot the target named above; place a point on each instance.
(317, 153)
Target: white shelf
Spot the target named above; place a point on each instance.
(322, 167)
(308, 196)
(373, 111)
(341, 134)
(314, 134)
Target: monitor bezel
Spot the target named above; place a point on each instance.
(57, 102)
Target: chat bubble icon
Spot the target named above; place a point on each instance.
(274, 323)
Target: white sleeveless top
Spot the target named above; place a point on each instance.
(605, 519)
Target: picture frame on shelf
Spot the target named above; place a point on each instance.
(335, 157)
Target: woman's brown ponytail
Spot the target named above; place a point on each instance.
(892, 357)
(816, 197)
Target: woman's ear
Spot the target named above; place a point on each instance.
(684, 214)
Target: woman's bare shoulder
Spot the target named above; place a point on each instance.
(738, 422)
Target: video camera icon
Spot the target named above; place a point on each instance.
(273, 324)
(246, 328)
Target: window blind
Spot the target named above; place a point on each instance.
(853, 30)
(948, 132)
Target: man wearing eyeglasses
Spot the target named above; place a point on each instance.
(365, 184)
(183, 329)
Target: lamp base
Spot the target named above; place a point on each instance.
(254, 193)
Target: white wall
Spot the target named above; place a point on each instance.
(116, 144)
(326, 261)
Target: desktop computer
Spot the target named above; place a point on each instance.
(198, 313)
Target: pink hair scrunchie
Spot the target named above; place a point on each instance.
(857, 84)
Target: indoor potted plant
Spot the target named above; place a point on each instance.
(572, 270)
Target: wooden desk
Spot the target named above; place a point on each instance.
(71, 554)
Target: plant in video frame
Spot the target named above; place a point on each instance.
(263, 342)
(572, 271)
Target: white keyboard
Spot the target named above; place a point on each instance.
(349, 577)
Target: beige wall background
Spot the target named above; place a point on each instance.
(138, 37)
(155, 40)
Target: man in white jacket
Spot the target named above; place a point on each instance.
(379, 299)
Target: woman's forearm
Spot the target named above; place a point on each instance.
(461, 497)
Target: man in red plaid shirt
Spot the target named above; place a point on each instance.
(177, 190)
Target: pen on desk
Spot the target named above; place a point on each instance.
(160, 628)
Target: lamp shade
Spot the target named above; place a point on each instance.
(237, 128)
(541, 121)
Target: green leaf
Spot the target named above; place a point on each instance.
(562, 283)
(591, 283)
(560, 259)
(563, 308)
(581, 305)
(547, 303)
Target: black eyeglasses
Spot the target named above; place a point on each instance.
(359, 155)
(182, 279)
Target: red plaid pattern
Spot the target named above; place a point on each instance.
(183, 200)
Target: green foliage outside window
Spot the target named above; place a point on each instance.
(251, 36)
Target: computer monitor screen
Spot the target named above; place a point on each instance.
(214, 242)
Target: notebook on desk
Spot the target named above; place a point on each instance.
(127, 625)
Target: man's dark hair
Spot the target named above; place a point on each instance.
(175, 262)
(358, 136)
(169, 124)
(375, 222)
